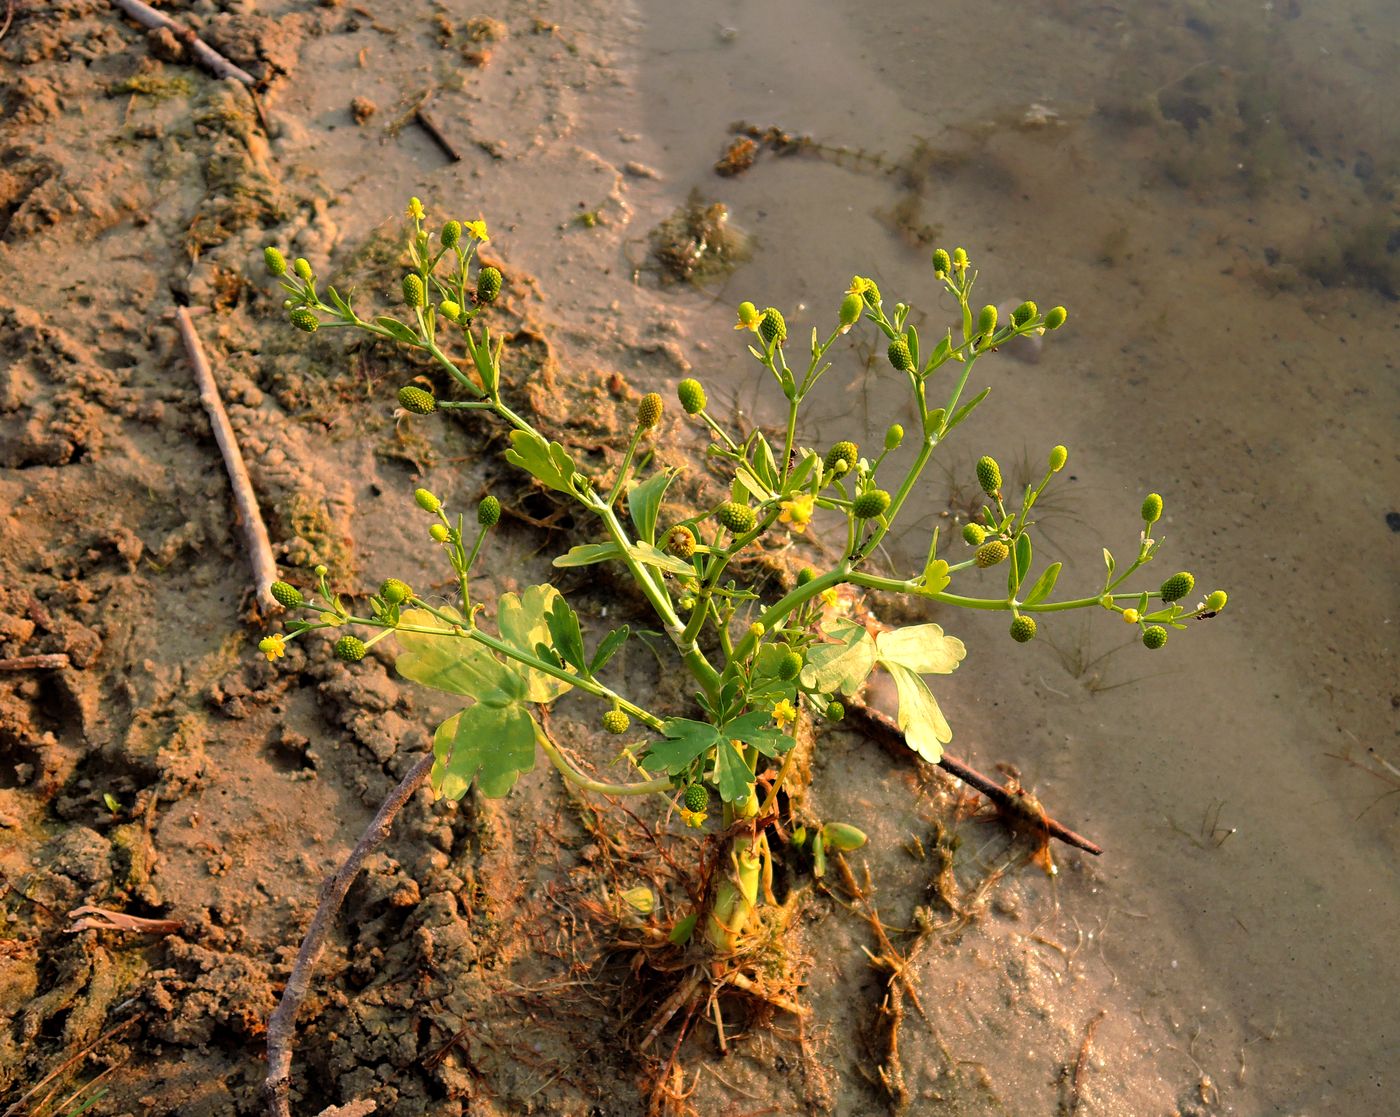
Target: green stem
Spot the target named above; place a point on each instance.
(574, 776)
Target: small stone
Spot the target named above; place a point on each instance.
(362, 108)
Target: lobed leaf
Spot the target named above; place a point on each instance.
(842, 665)
(921, 648)
(454, 663)
(489, 744)
(920, 719)
(523, 624)
(547, 462)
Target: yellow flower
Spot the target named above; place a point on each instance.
(1131, 616)
(274, 647)
(748, 317)
(477, 229)
(797, 511)
(830, 597)
(859, 285)
(784, 713)
(415, 209)
(693, 819)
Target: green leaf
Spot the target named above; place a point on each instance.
(1044, 585)
(732, 775)
(608, 648)
(645, 552)
(756, 728)
(455, 663)
(340, 304)
(522, 622)
(547, 462)
(965, 410)
(684, 928)
(1109, 562)
(766, 687)
(941, 352)
(761, 457)
(842, 665)
(564, 632)
(1020, 564)
(489, 744)
(398, 329)
(934, 578)
(797, 479)
(920, 720)
(912, 337)
(486, 366)
(686, 741)
(921, 648)
(644, 503)
(586, 554)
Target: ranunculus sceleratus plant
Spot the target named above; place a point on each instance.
(768, 662)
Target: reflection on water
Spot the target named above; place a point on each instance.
(1211, 190)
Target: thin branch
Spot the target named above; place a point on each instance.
(35, 662)
(203, 53)
(282, 1024)
(254, 530)
(887, 733)
(88, 918)
(429, 125)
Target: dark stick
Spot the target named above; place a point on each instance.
(885, 731)
(430, 126)
(281, 1027)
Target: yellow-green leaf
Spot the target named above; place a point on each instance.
(448, 661)
(523, 624)
(489, 744)
(922, 648)
(920, 720)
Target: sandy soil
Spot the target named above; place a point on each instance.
(1232, 350)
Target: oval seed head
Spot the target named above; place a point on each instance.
(451, 234)
(894, 436)
(649, 411)
(1178, 586)
(488, 512)
(303, 268)
(835, 711)
(697, 798)
(691, 393)
(942, 263)
(871, 294)
(748, 317)
(790, 666)
(989, 554)
(1152, 508)
(1216, 601)
(843, 837)
(395, 592)
(412, 398)
(842, 457)
(1055, 317)
(805, 575)
(870, 504)
(974, 534)
(899, 355)
(1023, 313)
(851, 306)
(413, 293)
(1154, 636)
(321, 570)
(987, 320)
(681, 542)
(771, 327)
(351, 649)
(286, 595)
(439, 533)
(274, 260)
(1023, 629)
(450, 310)
(989, 475)
(738, 518)
(1058, 456)
(488, 284)
(305, 320)
(426, 500)
(616, 721)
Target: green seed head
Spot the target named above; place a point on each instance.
(488, 284)
(899, 355)
(974, 534)
(989, 554)
(748, 316)
(960, 260)
(451, 234)
(304, 319)
(1023, 313)
(697, 798)
(413, 290)
(851, 306)
(1178, 586)
(286, 595)
(1023, 629)
(303, 268)
(439, 533)
(842, 457)
(1154, 636)
(871, 294)
(275, 261)
(805, 575)
(835, 711)
(1152, 508)
(426, 500)
(1216, 601)
(616, 721)
(942, 263)
(691, 393)
(351, 649)
(738, 518)
(989, 475)
(790, 666)
(1058, 456)
(395, 592)
(894, 436)
(681, 542)
(1055, 317)
(450, 310)
(771, 327)
(414, 399)
(870, 504)
(649, 411)
(488, 512)
(987, 320)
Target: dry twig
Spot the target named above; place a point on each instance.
(429, 125)
(203, 53)
(1081, 1062)
(89, 918)
(34, 662)
(254, 530)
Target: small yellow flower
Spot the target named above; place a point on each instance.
(274, 647)
(415, 209)
(748, 317)
(797, 511)
(693, 819)
(1131, 616)
(784, 713)
(859, 285)
(830, 597)
(477, 229)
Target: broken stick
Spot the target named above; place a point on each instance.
(203, 53)
(429, 125)
(254, 530)
(54, 660)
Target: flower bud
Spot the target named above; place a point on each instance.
(960, 261)
(303, 268)
(748, 316)
(842, 837)
(899, 355)
(304, 319)
(681, 542)
(987, 320)
(351, 649)
(488, 284)
(1055, 317)
(1023, 314)
(1131, 616)
(847, 453)
(771, 327)
(974, 534)
(835, 711)
(1023, 629)
(869, 505)
(1152, 508)
(413, 294)
(851, 306)
(450, 310)
(451, 234)
(1154, 636)
(757, 630)
(691, 394)
(1178, 586)
(806, 575)
(439, 533)
(415, 399)
(989, 475)
(1058, 456)
(738, 518)
(1216, 601)
(275, 261)
(286, 595)
(942, 264)
(395, 592)
(488, 512)
(426, 500)
(616, 721)
(894, 436)
(989, 554)
(649, 411)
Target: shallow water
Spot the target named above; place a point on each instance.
(1211, 191)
